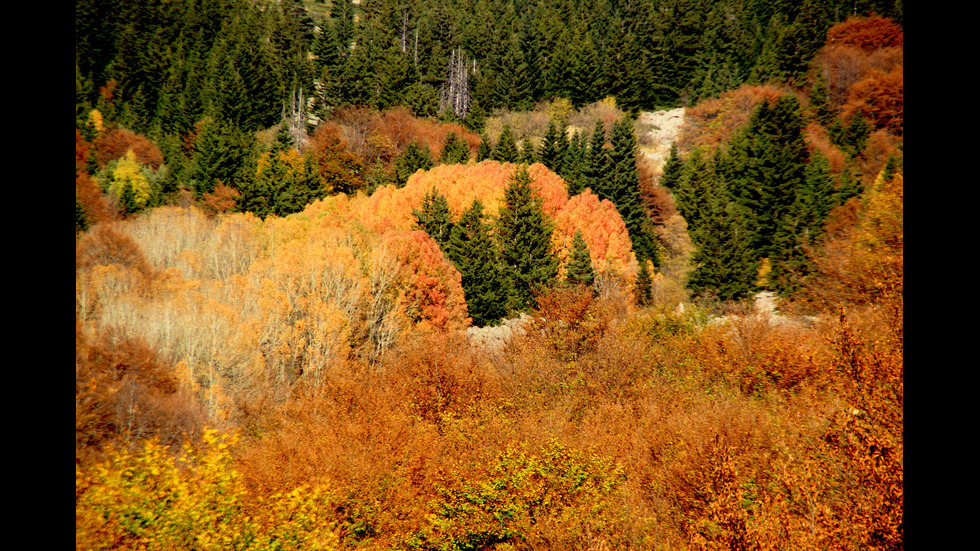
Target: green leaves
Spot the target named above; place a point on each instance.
(476, 254)
(525, 234)
(579, 268)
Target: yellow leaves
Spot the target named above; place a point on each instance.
(129, 174)
(558, 495)
(151, 499)
(95, 120)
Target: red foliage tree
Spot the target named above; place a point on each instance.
(432, 295)
(880, 98)
(123, 391)
(867, 33)
(113, 144)
(96, 204)
(338, 169)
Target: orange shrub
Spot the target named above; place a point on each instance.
(711, 123)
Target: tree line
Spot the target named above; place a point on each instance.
(219, 71)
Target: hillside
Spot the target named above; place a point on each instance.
(659, 310)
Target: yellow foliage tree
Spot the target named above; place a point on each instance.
(129, 174)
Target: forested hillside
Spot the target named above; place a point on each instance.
(298, 222)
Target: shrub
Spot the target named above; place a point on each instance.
(559, 497)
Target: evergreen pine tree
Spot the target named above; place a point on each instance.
(127, 200)
(802, 228)
(596, 160)
(485, 150)
(435, 218)
(673, 168)
(624, 189)
(576, 164)
(475, 253)
(693, 189)
(81, 217)
(525, 235)
(506, 149)
(579, 269)
(850, 186)
(528, 155)
(553, 147)
(454, 150)
(724, 264)
(765, 166)
(282, 141)
(221, 152)
(415, 157)
(644, 283)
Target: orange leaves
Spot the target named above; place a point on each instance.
(377, 137)
(712, 122)
(339, 170)
(864, 263)
(867, 33)
(880, 98)
(603, 230)
(433, 292)
(115, 143)
(389, 208)
(866, 51)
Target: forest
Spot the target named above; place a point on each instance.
(422, 275)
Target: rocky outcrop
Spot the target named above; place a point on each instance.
(657, 131)
(494, 338)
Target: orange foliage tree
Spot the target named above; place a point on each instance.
(96, 205)
(868, 33)
(880, 98)
(339, 170)
(432, 289)
(855, 48)
(113, 144)
(864, 261)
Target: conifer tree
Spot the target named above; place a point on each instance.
(528, 155)
(475, 253)
(506, 149)
(693, 189)
(579, 269)
(724, 264)
(221, 152)
(576, 165)
(525, 234)
(553, 147)
(802, 228)
(673, 168)
(623, 189)
(643, 284)
(415, 157)
(485, 150)
(596, 160)
(765, 166)
(454, 150)
(435, 218)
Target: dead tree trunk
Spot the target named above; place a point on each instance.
(455, 92)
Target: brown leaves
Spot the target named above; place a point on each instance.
(123, 391)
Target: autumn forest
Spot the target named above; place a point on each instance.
(489, 274)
